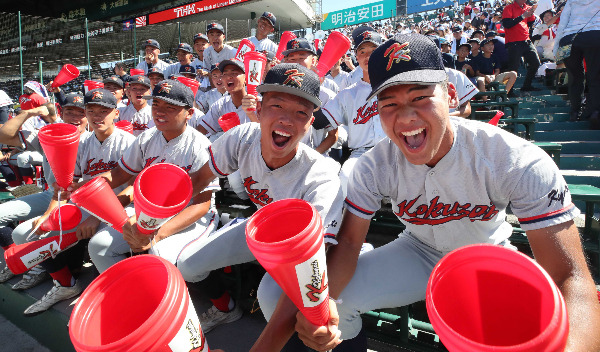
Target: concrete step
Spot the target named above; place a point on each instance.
(580, 162)
(537, 108)
(568, 135)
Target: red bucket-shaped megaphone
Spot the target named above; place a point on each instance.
(254, 65)
(89, 85)
(136, 71)
(69, 214)
(286, 237)
(25, 256)
(245, 46)
(336, 46)
(462, 302)
(160, 192)
(109, 317)
(66, 74)
(191, 83)
(125, 126)
(229, 120)
(285, 38)
(60, 142)
(496, 118)
(97, 198)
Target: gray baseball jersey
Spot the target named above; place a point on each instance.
(465, 89)
(194, 121)
(331, 85)
(95, 158)
(340, 79)
(210, 121)
(206, 99)
(160, 64)
(141, 120)
(265, 44)
(351, 108)
(211, 57)
(308, 176)
(462, 200)
(204, 81)
(355, 76)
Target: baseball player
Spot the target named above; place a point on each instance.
(155, 75)
(138, 112)
(274, 165)
(116, 86)
(218, 51)
(34, 205)
(352, 108)
(265, 25)
(151, 59)
(201, 44)
(461, 175)
(204, 100)
(465, 90)
(97, 153)
(171, 141)
(185, 55)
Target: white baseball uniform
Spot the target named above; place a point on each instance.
(188, 151)
(141, 120)
(330, 84)
(194, 121)
(313, 137)
(355, 76)
(307, 176)
(204, 80)
(211, 57)
(264, 44)
(206, 99)
(462, 200)
(210, 121)
(340, 79)
(465, 89)
(160, 64)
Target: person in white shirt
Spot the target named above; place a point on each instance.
(204, 100)
(265, 26)
(139, 112)
(201, 44)
(152, 51)
(184, 54)
(218, 51)
(458, 39)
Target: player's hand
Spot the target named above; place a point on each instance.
(37, 221)
(137, 241)
(467, 67)
(39, 111)
(249, 103)
(87, 228)
(52, 89)
(66, 193)
(202, 73)
(320, 338)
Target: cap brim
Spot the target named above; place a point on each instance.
(287, 52)
(422, 77)
(225, 63)
(367, 41)
(107, 105)
(113, 82)
(168, 100)
(142, 83)
(264, 88)
(74, 105)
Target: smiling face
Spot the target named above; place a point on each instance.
(216, 39)
(415, 118)
(155, 78)
(101, 119)
(75, 116)
(169, 118)
(136, 92)
(304, 58)
(200, 45)
(116, 89)
(217, 80)
(184, 57)
(284, 119)
(264, 28)
(363, 53)
(152, 50)
(233, 78)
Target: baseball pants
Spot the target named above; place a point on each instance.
(107, 246)
(25, 208)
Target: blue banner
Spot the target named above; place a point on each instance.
(415, 6)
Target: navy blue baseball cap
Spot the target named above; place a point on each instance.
(477, 31)
(486, 41)
(457, 29)
(185, 47)
(358, 30)
(100, 96)
(299, 44)
(368, 37)
(114, 80)
(292, 79)
(140, 79)
(216, 26)
(214, 67)
(155, 70)
(75, 100)
(476, 40)
(187, 69)
(221, 66)
(405, 59)
(151, 42)
(269, 17)
(173, 92)
(200, 36)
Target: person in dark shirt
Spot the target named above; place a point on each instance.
(463, 63)
(499, 50)
(475, 46)
(488, 69)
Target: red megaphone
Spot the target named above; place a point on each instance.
(25, 256)
(496, 118)
(254, 65)
(67, 73)
(69, 214)
(97, 198)
(229, 120)
(336, 46)
(285, 38)
(60, 142)
(244, 47)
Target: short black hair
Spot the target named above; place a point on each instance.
(121, 65)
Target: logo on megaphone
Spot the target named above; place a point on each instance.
(318, 285)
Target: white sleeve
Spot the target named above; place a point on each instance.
(225, 151)
(465, 89)
(335, 110)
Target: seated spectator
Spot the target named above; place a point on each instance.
(475, 46)
(488, 70)
(499, 49)
(463, 63)
(458, 39)
(543, 35)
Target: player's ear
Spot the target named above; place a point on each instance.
(452, 96)
(190, 112)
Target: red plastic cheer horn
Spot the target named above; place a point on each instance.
(69, 214)
(229, 120)
(97, 198)
(286, 237)
(89, 85)
(496, 118)
(285, 38)
(25, 256)
(464, 302)
(160, 192)
(60, 142)
(336, 46)
(191, 83)
(109, 317)
(136, 71)
(125, 126)
(254, 65)
(317, 42)
(66, 74)
(244, 47)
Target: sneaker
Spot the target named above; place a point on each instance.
(214, 317)
(56, 294)
(6, 274)
(33, 278)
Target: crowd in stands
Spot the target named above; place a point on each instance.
(478, 43)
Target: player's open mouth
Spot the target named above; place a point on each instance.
(161, 120)
(281, 138)
(138, 97)
(415, 138)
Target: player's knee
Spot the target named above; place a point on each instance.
(20, 233)
(268, 294)
(188, 269)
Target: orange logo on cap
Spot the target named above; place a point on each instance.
(396, 53)
(140, 79)
(97, 95)
(114, 78)
(165, 87)
(295, 44)
(366, 35)
(77, 99)
(294, 77)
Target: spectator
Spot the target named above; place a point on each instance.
(151, 57)
(580, 25)
(516, 19)
(475, 46)
(120, 70)
(458, 39)
(201, 44)
(499, 49)
(543, 35)
(488, 69)
(463, 63)
(478, 34)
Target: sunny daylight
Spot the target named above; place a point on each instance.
(300, 175)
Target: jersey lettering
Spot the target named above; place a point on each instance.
(257, 196)
(440, 213)
(98, 167)
(139, 126)
(151, 160)
(365, 113)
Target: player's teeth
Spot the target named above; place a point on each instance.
(412, 133)
(283, 133)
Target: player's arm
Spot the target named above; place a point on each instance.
(53, 204)
(332, 137)
(558, 250)
(462, 111)
(115, 178)
(279, 329)
(9, 133)
(201, 178)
